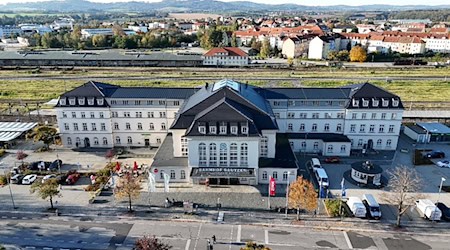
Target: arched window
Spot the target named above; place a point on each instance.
(202, 154)
(379, 142)
(129, 140)
(212, 154)
(69, 141)
(139, 126)
(264, 175)
(105, 141)
(182, 174)
(264, 148)
(152, 126)
(172, 174)
(244, 154)
(117, 140)
(285, 175)
(95, 141)
(233, 154)
(223, 154)
(275, 175)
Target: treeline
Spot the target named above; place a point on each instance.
(434, 15)
(74, 40)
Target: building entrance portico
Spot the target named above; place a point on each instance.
(224, 176)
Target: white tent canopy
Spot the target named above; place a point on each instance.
(11, 130)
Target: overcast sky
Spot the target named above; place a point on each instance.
(321, 2)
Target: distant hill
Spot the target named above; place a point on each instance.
(193, 6)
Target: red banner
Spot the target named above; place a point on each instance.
(272, 186)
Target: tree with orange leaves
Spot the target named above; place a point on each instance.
(302, 194)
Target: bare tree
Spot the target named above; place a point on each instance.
(128, 187)
(302, 195)
(404, 183)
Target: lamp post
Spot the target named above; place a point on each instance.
(287, 194)
(440, 188)
(8, 179)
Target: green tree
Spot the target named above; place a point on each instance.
(49, 189)
(343, 55)
(265, 48)
(358, 54)
(234, 40)
(332, 55)
(45, 134)
(128, 187)
(151, 243)
(99, 41)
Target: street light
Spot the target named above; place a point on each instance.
(287, 194)
(8, 179)
(440, 188)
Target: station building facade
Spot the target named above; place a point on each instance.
(230, 132)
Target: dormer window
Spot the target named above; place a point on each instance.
(355, 102)
(202, 128)
(62, 101)
(100, 101)
(365, 102)
(212, 129)
(395, 102)
(81, 101)
(91, 101)
(385, 102)
(223, 128)
(375, 102)
(234, 129)
(244, 129)
(72, 101)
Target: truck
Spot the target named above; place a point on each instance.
(428, 210)
(357, 207)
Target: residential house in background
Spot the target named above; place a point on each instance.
(226, 56)
(320, 46)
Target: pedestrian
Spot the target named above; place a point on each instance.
(214, 239)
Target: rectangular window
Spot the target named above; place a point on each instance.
(91, 101)
(277, 115)
(176, 103)
(383, 116)
(391, 128)
(126, 114)
(276, 103)
(339, 127)
(223, 128)
(374, 116)
(115, 114)
(94, 126)
(92, 115)
(74, 115)
(381, 129)
(362, 128)
(150, 114)
(394, 116)
(303, 115)
(315, 115)
(354, 115)
(234, 130)
(363, 115)
(290, 115)
(161, 102)
(64, 115)
(83, 115)
(340, 115)
(75, 126)
(85, 128)
(102, 126)
(302, 127)
(202, 129)
(162, 114)
(314, 127)
(149, 102)
(212, 129)
(139, 114)
(127, 126)
(66, 126)
(101, 115)
(372, 128)
(244, 129)
(352, 128)
(137, 102)
(328, 115)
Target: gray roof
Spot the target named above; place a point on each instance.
(305, 93)
(107, 55)
(164, 157)
(416, 129)
(434, 128)
(153, 92)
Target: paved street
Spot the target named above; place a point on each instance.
(37, 232)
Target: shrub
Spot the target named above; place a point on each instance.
(333, 207)
(3, 180)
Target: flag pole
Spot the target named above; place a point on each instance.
(268, 194)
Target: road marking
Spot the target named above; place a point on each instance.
(266, 236)
(188, 244)
(231, 236)
(4, 217)
(349, 243)
(238, 238)
(198, 235)
(47, 248)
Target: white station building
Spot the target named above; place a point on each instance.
(230, 132)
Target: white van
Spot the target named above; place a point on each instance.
(357, 207)
(428, 210)
(315, 163)
(372, 206)
(322, 177)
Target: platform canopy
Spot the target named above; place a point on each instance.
(11, 130)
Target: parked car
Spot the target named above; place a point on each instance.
(56, 165)
(445, 211)
(73, 178)
(39, 165)
(15, 170)
(29, 179)
(428, 210)
(435, 154)
(333, 159)
(17, 178)
(443, 164)
(47, 177)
